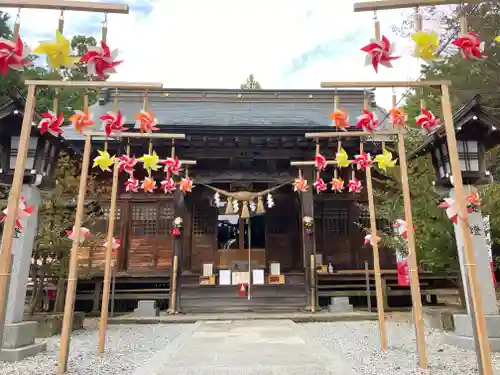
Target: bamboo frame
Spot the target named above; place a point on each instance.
(103, 322)
(95, 84)
(136, 135)
(370, 6)
(374, 84)
(349, 134)
(80, 6)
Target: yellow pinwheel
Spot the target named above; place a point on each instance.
(151, 161)
(342, 158)
(385, 161)
(497, 39)
(103, 161)
(58, 52)
(426, 45)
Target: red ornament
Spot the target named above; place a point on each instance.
(320, 185)
(113, 122)
(470, 46)
(368, 121)
(100, 60)
(320, 162)
(427, 120)
(176, 232)
(379, 52)
(13, 55)
(51, 123)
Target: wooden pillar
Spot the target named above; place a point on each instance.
(177, 254)
(309, 245)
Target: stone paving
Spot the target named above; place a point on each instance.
(263, 347)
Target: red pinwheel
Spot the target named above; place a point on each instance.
(127, 163)
(379, 52)
(51, 123)
(13, 55)
(451, 209)
(113, 122)
(172, 166)
(84, 233)
(355, 186)
(470, 46)
(100, 60)
(363, 160)
(427, 120)
(115, 244)
(168, 185)
(320, 162)
(368, 121)
(320, 185)
(132, 184)
(22, 210)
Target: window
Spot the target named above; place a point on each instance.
(228, 231)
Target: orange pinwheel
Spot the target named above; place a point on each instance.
(340, 119)
(148, 185)
(473, 199)
(399, 117)
(146, 121)
(186, 185)
(81, 120)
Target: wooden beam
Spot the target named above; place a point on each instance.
(136, 135)
(96, 84)
(336, 85)
(351, 134)
(79, 6)
(370, 6)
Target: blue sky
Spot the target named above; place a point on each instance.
(217, 43)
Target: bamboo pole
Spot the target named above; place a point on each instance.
(350, 134)
(136, 135)
(103, 323)
(174, 284)
(13, 202)
(334, 85)
(313, 283)
(370, 6)
(96, 84)
(79, 6)
(73, 264)
(249, 258)
(484, 359)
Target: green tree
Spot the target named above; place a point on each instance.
(251, 84)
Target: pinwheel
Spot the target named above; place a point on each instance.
(363, 160)
(337, 185)
(497, 39)
(470, 46)
(399, 117)
(151, 161)
(146, 121)
(132, 184)
(23, 210)
(51, 123)
(402, 228)
(354, 185)
(103, 161)
(186, 185)
(342, 159)
(473, 201)
(320, 185)
(368, 121)
(84, 233)
(385, 160)
(426, 45)
(81, 120)
(168, 185)
(13, 55)
(300, 184)
(100, 60)
(58, 52)
(368, 239)
(172, 165)
(127, 163)
(340, 119)
(148, 185)
(113, 122)
(379, 52)
(427, 120)
(451, 209)
(320, 162)
(115, 244)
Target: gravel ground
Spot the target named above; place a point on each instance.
(359, 343)
(128, 347)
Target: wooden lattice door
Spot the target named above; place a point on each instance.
(204, 234)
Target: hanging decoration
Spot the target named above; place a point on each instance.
(379, 52)
(368, 239)
(217, 201)
(146, 121)
(300, 184)
(399, 117)
(58, 52)
(235, 205)
(470, 46)
(151, 161)
(341, 158)
(172, 165)
(368, 121)
(473, 201)
(354, 185)
(13, 55)
(113, 122)
(252, 205)
(340, 119)
(320, 162)
(103, 161)
(337, 185)
(451, 209)
(363, 161)
(270, 200)
(186, 184)
(100, 60)
(168, 185)
(126, 164)
(402, 228)
(320, 185)
(81, 120)
(132, 185)
(177, 226)
(51, 123)
(426, 120)
(385, 160)
(115, 244)
(148, 185)
(497, 39)
(426, 45)
(23, 210)
(308, 222)
(84, 233)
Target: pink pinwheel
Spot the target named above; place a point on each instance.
(355, 186)
(115, 244)
(451, 209)
(470, 46)
(84, 233)
(320, 162)
(337, 185)
(363, 160)
(13, 55)
(368, 121)
(379, 52)
(368, 239)
(427, 120)
(22, 210)
(100, 60)
(320, 185)
(300, 185)
(132, 184)
(113, 122)
(402, 228)
(51, 123)
(168, 185)
(172, 166)
(127, 163)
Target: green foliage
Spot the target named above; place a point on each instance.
(251, 84)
